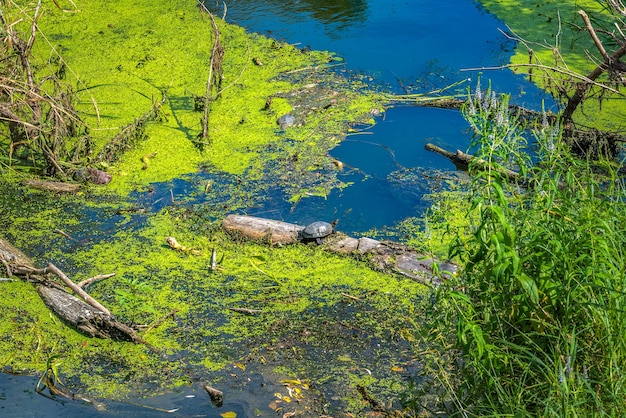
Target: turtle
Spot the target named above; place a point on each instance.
(286, 121)
(317, 231)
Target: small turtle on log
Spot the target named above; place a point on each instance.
(286, 121)
(317, 231)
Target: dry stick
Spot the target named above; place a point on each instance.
(90, 280)
(246, 311)
(160, 321)
(65, 234)
(80, 292)
(215, 74)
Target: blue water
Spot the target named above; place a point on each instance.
(403, 45)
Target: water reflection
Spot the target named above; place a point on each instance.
(340, 14)
(335, 16)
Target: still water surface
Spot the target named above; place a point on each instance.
(416, 45)
(405, 46)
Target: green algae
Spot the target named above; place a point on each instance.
(124, 57)
(547, 24)
(316, 308)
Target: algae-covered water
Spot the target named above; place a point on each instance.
(406, 47)
(330, 324)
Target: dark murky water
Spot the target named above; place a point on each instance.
(410, 44)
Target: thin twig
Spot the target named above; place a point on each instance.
(160, 321)
(90, 280)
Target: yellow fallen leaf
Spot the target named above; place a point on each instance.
(240, 365)
(397, 369)
(229, 414)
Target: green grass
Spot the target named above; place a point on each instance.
(538, 312)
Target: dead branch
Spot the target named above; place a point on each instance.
(217, 396)
(463, 160)
(90, 319)
(90, 280)
(214, 79)
(582, 88)
(246, 311)
(79, 291)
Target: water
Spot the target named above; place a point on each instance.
(403, 45)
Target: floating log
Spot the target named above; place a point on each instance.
(262, 229)
(80, 315)
(462, 161)
(381, 255)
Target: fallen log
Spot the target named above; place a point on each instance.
(88, 319)
(262, 229)
(381, 255)
(52, 186)
(462, 161)
(84, 317)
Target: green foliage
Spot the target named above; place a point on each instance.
(132, 299)
(539, 307)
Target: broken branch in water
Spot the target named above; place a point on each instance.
(217, 396)
(246, 311)
(462, 161)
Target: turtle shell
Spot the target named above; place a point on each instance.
(286, 121)
(319, 229)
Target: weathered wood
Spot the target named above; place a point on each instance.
(84, 317)
(381, 255)
(13, 257)
(462, 161)
(52, 186)
(275, 232)
(77, 289)
(75, 312)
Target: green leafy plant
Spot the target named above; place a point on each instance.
(539, 307)
(133, 300)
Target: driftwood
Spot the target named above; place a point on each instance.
(52, 186)
(92, 319)
(381, 255)
(462, 161)
(84, 317)
(275, 232)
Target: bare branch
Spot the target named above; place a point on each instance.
(80, 292)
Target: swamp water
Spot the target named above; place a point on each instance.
(408, 45)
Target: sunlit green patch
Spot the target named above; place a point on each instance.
(316, 308)
(546, 24)
(124, 58)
